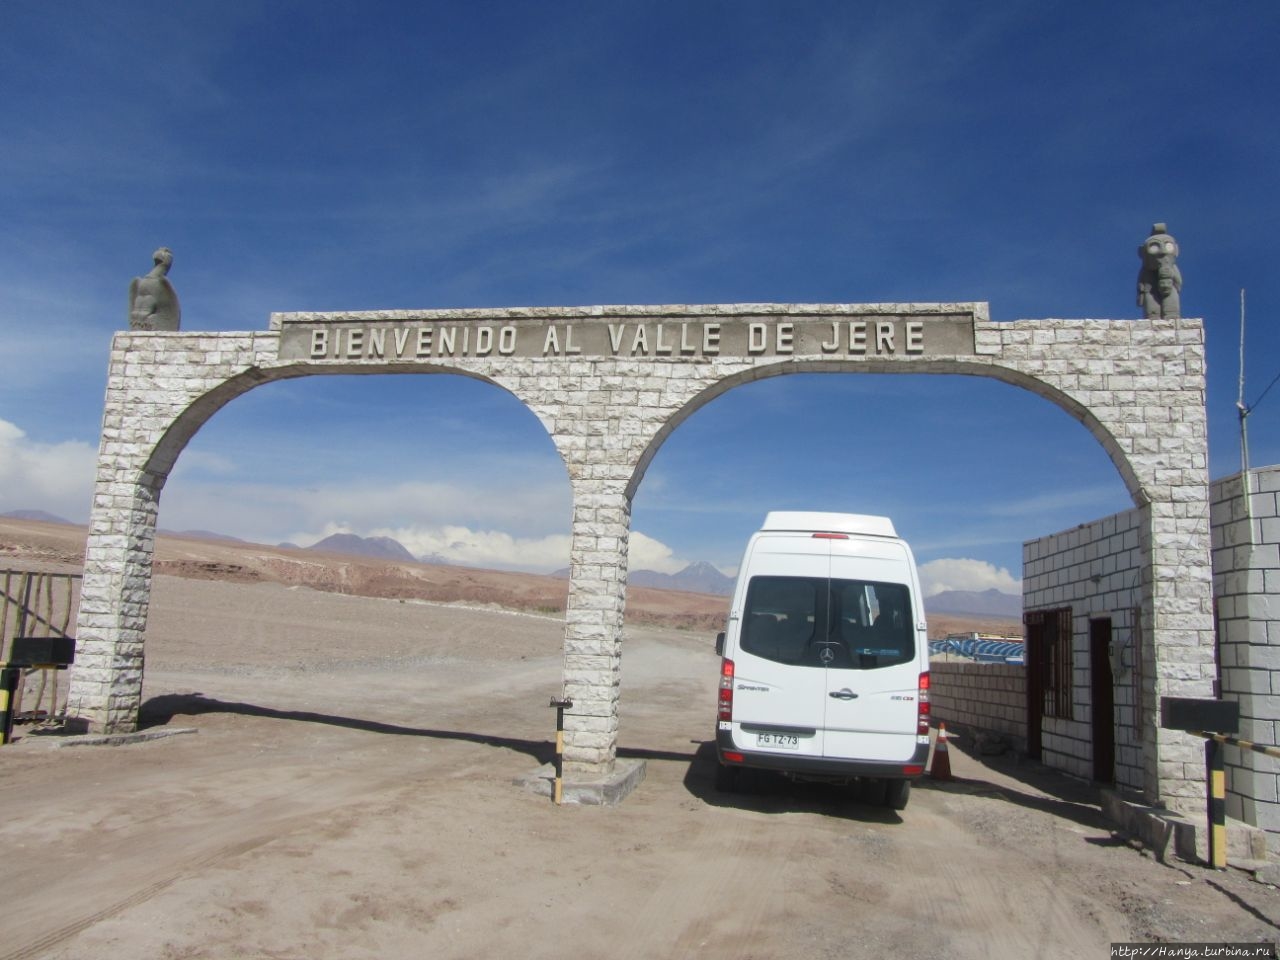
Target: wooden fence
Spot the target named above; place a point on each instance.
(37, 604)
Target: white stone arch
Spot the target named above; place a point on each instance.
(609, 384)
(995, 371)
(1138, 389)
(146, 427)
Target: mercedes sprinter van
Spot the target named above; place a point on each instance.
(825, 669)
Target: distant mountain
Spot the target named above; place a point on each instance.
(39, 515)
(987, 603)
(697, 577)
(380, 548)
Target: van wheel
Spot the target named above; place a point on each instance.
(726, 778)
(896, 794)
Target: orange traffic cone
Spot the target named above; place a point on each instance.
(940, 769)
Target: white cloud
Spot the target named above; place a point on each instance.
(950, 573)
(483, 548)
(56, 477)
(646, 553)
(301, 512)
(496, 549)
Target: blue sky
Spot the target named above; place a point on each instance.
(332, 156)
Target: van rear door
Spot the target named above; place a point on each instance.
(874, 653)
(780, 685)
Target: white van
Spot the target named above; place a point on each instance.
(825, 670)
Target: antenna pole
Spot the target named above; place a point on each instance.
(1244, 432)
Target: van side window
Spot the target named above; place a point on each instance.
(815, 622)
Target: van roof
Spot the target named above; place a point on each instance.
(810, 522)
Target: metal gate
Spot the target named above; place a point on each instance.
(37, 604)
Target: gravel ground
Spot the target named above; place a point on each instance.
(349, 793)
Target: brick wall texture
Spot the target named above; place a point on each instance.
(1059, 571)
(989, 697)
(1246, 577)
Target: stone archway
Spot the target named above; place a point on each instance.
(609, 384)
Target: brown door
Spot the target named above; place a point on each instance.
(1034, 659)
(1103, 699)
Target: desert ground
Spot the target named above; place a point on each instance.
(339, 782)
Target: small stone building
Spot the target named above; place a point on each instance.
(1088, 655)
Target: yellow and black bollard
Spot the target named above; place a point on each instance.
(557, 789)
(1196, 716)
(1216, 778)
(8, 692)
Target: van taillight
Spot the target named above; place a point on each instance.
(922, 706)
(831, 536)
(725, 711)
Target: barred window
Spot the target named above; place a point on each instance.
(1049, 635)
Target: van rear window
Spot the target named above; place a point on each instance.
(815, 622)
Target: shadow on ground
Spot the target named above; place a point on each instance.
(760, 791)
(1048, 791)
(160, 710)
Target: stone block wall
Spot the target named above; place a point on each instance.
(981, 696)
(1246, 578)
(1096, 570)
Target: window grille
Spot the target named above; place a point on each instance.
(1049, 631)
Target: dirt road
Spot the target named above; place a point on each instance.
(349, 794)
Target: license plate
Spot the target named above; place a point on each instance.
(778, 741)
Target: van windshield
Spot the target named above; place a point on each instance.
(815, 622)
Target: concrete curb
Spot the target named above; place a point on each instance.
(1170, 834)
(57, 741)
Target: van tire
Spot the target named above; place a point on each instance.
(896, 794)
(726, 778)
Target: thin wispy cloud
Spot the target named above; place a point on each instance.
(1055, 502)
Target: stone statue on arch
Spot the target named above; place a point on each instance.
(153, 303)
(1160, 280)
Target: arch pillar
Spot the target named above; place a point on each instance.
(105, 691)
(1178, 641)
(161, 387)
(593, 624)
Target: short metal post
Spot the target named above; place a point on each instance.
(1216, 779)
(557, 790)
(8, 689)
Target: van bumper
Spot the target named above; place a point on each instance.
(833, 767)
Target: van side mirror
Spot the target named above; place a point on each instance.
(720, 644)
